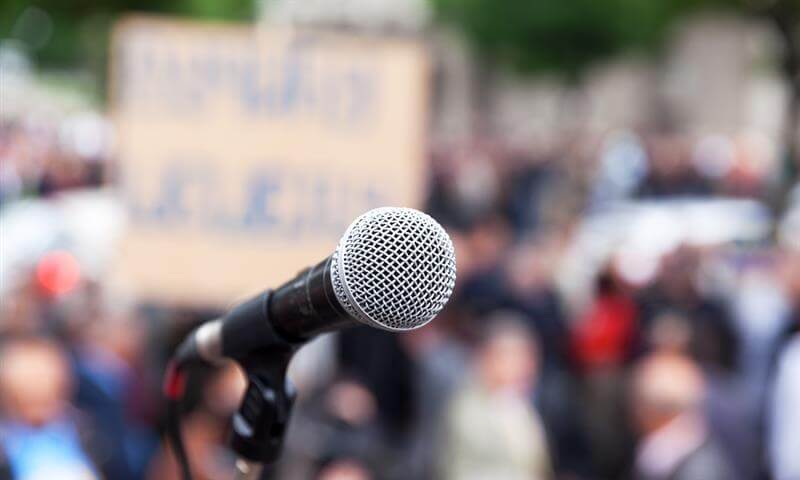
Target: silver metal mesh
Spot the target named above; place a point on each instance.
(394, 268)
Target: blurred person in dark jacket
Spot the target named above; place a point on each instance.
(482, 287)
(338, 421)
(532, 293)
(41, 436)
(667, 396)
(529, 279)
(729, 409)
(528, 183)
(107, 347)
(713, 340)
(708, 335)
(492, 430)
(376, 360)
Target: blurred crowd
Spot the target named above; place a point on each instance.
(686, 369)
(40, 157)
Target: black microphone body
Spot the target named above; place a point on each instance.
(307, 305)
(291, 314)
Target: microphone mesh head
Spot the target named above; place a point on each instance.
(394, 268)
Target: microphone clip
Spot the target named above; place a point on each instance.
(259, 425)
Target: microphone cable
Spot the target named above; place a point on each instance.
(173, 389)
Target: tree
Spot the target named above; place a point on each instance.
(77, 30)
(567, 36)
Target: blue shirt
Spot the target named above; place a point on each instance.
(49, 452)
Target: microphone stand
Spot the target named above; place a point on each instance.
(259, 425)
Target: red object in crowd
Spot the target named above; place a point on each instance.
(604, 334)
(58, 273)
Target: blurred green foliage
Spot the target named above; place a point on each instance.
(565, 35)
(79, 29)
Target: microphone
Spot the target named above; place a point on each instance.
(393, 269)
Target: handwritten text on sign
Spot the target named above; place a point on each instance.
(246, 152)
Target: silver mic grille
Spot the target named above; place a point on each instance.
(394, 268)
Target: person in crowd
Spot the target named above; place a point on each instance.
(13, 159)
(440, 357)
(491, 430)
(341, 420)
(527, 187)
(670, 171)
(667, 399)
(730, 413)
(21, 309)
(41, 435)
(467, 184)
(603, 338)
(33, 161)
(377, 360)
(482, 289)
(344, 469)
(713, 339)
(669, 332)
(205, 431)
(532, 294)
(783, 415)
(530, 291)
(602, 345)
(107, 348)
